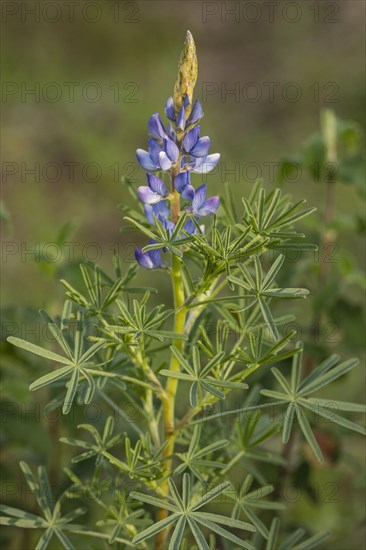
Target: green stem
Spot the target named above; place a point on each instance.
(172, 383)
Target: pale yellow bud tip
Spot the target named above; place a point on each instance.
(187, 74)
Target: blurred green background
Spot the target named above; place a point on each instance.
(98, 70)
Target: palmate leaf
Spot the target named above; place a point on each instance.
(101, 290)
(260, 352)
(52, 521)
(245, 501)
(268, 215)
(102, 442)
(295, 395)
(138, 462)
(162, 237)
(252, 429)
(185, 511)
(77, 361)
(194, 460)
(246, 442)
(121, 519)
(259, 291)
(200, 377)
(138, 323)
(224, 250)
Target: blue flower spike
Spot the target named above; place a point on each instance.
(178, 149)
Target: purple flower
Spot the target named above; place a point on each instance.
(203, 165)
(149, 160)
(202, 206)
(159, 157)
(154, 193)
(191, 227)
(169, 155)
(177, 145)
(151, 259)
(182, 184)
(160, 210)
(170, 226)
(194, 145)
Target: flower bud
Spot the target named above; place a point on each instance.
(187, 75)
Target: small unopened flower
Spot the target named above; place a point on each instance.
(194, 117)
(155, 127)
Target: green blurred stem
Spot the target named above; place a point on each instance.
(327, 236)
(149, 400)
(329, 132)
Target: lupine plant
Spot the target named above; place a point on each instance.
(198, 411)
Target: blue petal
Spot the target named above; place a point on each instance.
(188, 193)
(157, 185)
(144, 160)
(148, 196)
(171, 150)
(160, 210)
(203, 165)
(170, 132)
(190, 227)
(154, 150)
(202, 147)
(169, 109)
(144, 259)
(149, 211)
(156, 127)
(209, 207)
(181, 181)
(186, 101)
(155, 256)
(181, 121)
(199, 197)
(164, 161)
(196, 113)
(169, 226)
(191, 138)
